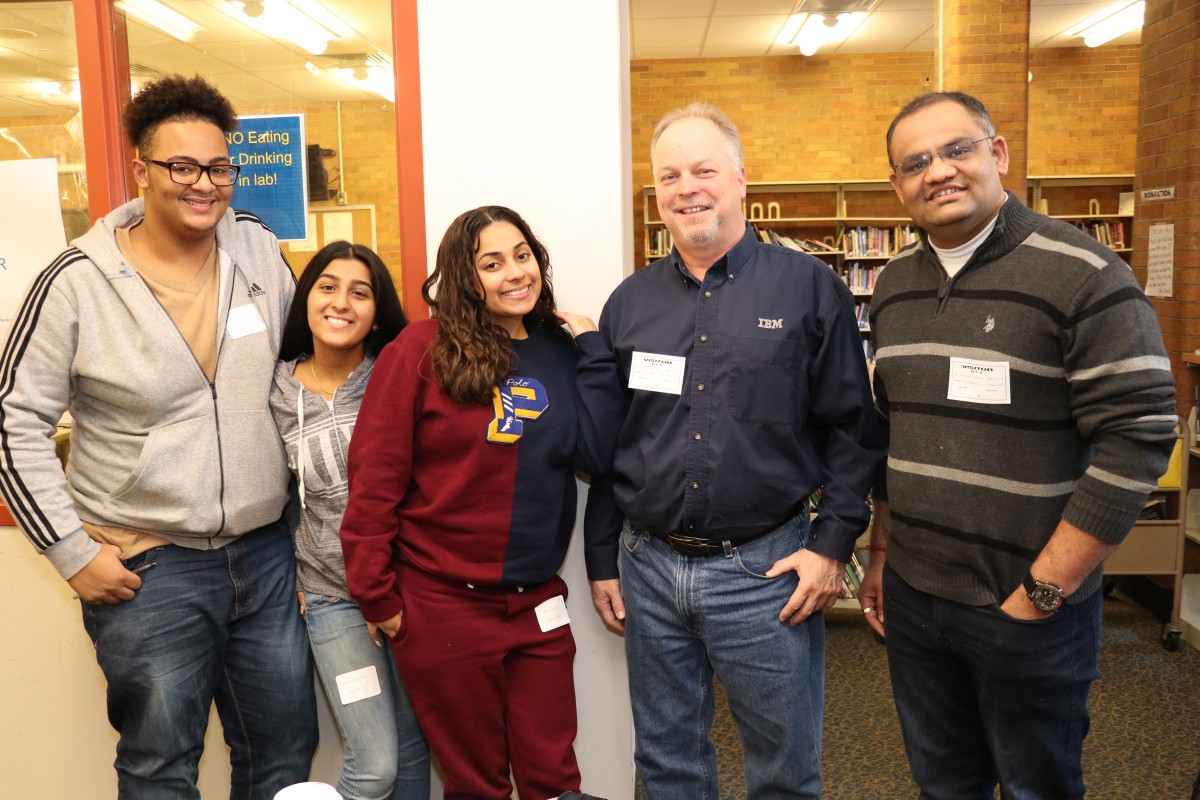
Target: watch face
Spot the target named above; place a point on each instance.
(1046, 598)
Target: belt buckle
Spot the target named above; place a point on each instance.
(689, 546)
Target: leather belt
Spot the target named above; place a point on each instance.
(702, 548)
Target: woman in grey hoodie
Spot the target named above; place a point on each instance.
(345, 310)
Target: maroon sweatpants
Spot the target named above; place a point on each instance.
(489, 688)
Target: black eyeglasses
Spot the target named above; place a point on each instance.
(958, 151)
(187, 173)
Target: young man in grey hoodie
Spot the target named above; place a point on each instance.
(158, 332)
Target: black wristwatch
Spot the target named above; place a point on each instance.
(1044, 596)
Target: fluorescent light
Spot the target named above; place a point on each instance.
(279, 19)
(1117, 20)
(818, 30)
(375, 79)
(57, 90)
(158, 16)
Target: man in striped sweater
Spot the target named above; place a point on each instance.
(1030, 408)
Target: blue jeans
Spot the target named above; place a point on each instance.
(688, 617)
(209, 625)
(385, 754)
(983, 697)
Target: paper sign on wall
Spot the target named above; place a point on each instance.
(273, 182)
(31, 229)
(1160, 268)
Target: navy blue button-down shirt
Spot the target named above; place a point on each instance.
(775, 403)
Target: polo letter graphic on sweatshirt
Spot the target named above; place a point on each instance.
(519, 398)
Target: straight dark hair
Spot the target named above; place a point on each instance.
(389, 316)
(471, 354)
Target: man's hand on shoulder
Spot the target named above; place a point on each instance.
(819, 587)
(105, 579)
(606, 597)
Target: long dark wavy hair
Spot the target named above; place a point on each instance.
(471, 353)
(389, 316)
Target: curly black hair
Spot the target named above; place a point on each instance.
(174, 97)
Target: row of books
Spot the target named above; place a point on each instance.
(852, 579)
(796, 243)
(658, 240)
(860, 279)
(872, 242)
(863, 312)
(1109, 234)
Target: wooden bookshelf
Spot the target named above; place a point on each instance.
(1092, 203)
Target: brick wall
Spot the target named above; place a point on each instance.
(1168, 154)
(985, 51)
(825, 117)
(1083, 110)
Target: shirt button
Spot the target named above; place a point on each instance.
(691, 527)
(703, 338)
(695, 486)
(700, 388)
(697, 437)
(708, 294)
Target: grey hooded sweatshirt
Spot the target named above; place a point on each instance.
(155, 447)
(316, 434)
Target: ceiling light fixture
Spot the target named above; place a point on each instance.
(818, 30)
(1118, 19)
(303, 22)
(367, 72)
(161, 18)
(57, 90)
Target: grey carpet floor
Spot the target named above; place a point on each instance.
(1144, 740)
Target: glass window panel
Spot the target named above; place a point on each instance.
(335, 70)
(39, 98)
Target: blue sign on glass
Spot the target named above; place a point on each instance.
(273, 180)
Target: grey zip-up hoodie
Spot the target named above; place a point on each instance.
(154, 446)
(316, 434)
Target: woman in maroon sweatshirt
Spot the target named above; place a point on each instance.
(462, 502)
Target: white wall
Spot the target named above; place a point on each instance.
(527, 105)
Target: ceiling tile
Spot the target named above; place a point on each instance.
(756, 32)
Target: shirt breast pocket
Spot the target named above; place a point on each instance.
(765, 376)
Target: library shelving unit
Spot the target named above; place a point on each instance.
(853, 226)
(1155, 546)
(1101, 205)
(1190, 603)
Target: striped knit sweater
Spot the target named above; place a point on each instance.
(976, 489)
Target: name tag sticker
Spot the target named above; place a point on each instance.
(979, 382)
(552, 614)
(243, 321)
(657, 373)
(358, 685)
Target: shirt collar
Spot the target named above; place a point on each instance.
(732, 263)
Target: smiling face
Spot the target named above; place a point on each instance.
(176, 210)
(951, 200)
(700, 188)
(341, 306)
(509, 274)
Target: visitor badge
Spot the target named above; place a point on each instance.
(979, 381)
(657, 373)
(552, 614)
(358, 685)
(243, 321)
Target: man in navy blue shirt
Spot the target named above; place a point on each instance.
(746, 390)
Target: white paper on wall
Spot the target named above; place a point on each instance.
(1160, 267)
(31, 229)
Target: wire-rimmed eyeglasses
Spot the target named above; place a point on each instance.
(955, 151)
